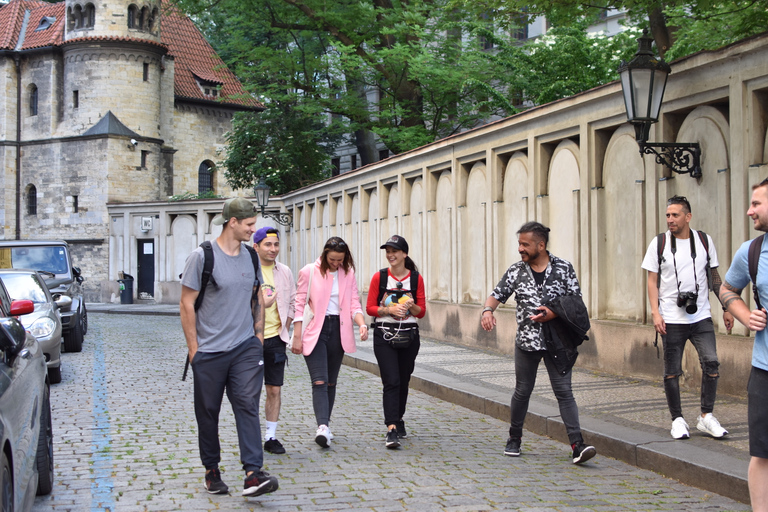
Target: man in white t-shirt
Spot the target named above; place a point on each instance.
(681, 311)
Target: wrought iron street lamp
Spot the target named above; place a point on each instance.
(261, 191)
(643, 80)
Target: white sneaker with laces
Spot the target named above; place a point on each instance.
(709, 425)
(679, 429)
(323, 436)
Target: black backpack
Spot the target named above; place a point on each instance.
(754, 260)
(384, 277)
(207, 276)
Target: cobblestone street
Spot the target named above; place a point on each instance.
(125, 440)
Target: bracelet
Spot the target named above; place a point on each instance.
(487, 308)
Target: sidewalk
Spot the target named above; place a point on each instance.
(623, 418)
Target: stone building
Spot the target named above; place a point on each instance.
(120, 101)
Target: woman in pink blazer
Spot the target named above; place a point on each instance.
(335, 302)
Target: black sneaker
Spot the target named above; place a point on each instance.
(213, 483)
(391, 441)
(401, 433)
(583, 452)
(258, 483)
(513, 447)
(274, 446)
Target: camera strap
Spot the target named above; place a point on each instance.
(673, 249)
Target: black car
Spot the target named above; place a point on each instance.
(53, 260)
(26, 433)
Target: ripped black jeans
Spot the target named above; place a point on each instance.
(702, 335)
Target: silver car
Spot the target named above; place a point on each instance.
(45, 322)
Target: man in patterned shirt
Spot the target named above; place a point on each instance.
(539, 277)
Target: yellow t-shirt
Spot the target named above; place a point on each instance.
(272, 321)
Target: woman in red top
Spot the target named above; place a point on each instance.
(396, 334)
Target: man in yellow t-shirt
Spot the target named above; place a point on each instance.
(279, 289)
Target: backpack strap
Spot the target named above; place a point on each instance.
(414, 283)
(754, 261)
(383, 278)
(661, 241)
(256, 263)
(705, 242)
(207, 274)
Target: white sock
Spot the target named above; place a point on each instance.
(271, 429)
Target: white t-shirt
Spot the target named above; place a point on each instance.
(668, 289)
(333, 303)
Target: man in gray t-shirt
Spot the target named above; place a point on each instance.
(225, 339)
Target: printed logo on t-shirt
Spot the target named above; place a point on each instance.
(269, 290)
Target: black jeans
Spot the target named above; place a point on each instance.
(324, 364)
(526, 366)
(395, 366)
(702, 335)
(241, 373)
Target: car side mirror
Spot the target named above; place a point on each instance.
(63, 302)
(76, 271)
(12, 335)
(22, 307)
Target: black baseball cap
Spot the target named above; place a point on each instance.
(396, 242)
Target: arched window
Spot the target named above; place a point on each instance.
(70, 19)
(133, 14)
(143, 18)
(31, 200)
(90, 16)
(151, 20)
(205, 177)
(78, 14)
(33, 100)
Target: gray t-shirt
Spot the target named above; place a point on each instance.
(224, 319)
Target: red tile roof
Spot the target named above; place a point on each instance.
(193, 56)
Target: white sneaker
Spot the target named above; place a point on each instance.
(323, 436)
(679, 429)
(709, 425)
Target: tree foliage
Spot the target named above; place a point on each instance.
(282, 144)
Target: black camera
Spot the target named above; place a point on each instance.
(687, 300)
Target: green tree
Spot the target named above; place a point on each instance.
(283, 144)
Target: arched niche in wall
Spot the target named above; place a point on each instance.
(620, 236)
(474, 218)
(391, 225)
(710, 199)
(514, 211)
(183, 241)
(351, 231)
(371, 239)
(314, 244)
(441, 240)
(414, 230)
(564, 207)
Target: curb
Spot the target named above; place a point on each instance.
(691, 465)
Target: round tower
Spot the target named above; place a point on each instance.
(138, 19)
(113, 61)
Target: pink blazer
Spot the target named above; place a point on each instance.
(320, 295)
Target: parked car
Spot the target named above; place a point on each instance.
(26, 433)
(53, 260)
(45, 322)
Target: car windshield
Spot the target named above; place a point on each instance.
(47, 259)
(24, 287)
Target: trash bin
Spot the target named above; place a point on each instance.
(126, 289)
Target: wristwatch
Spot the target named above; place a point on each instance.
(487, 308)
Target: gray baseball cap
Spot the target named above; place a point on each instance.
(236, 207)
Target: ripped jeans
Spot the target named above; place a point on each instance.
(702, 335)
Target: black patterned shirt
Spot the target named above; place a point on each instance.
(560, 279)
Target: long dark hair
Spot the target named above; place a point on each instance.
(336, 244)
(410, 265)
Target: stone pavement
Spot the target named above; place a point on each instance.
(125, 437)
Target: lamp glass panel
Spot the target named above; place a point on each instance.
(262, 194)
(626, 89)
(659, 83)
(641, 89)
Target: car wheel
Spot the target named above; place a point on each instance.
(84, 316)
(44, 459)
(6, 490)
(54, 375)
(73, 340)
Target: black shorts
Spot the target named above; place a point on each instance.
(274, 361)
(757, 413)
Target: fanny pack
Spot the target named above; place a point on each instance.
(398, 335)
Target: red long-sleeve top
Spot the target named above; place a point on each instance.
(372, 307)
